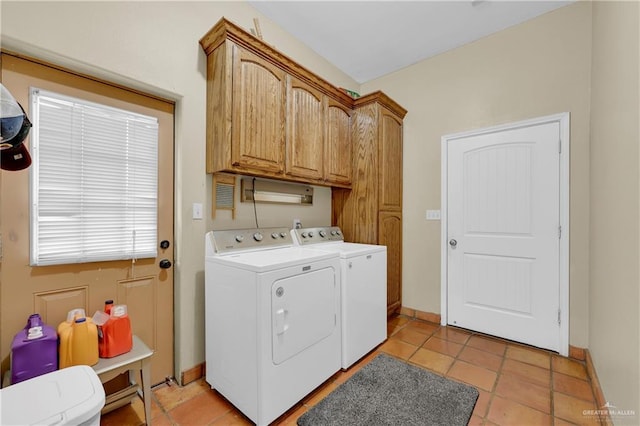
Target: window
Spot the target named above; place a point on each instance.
(93, 181)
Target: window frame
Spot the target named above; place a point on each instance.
(116, 250)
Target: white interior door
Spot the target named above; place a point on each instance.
(503, 233)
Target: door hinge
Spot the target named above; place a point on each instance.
(559, 314)
(559, 231)
(560, 146)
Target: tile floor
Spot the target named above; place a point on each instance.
(518, 385)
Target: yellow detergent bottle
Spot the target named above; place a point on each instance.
(72, 315)
(78, 343)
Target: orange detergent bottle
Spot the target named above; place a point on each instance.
(108, 305)
(78, 342)
(114, 334)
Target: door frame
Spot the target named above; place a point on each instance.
(55, 61)
(563, 119)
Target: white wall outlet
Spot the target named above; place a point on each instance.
(197, 210)
(297, 224)
(432, 215)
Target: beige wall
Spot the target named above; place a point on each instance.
(614, 332)
(538, 68)
(154, 46)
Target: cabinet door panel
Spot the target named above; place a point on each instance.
(338, 148)
(362, 200)
(305, 139)
(258, 113)
(390, 235)
(390, 152)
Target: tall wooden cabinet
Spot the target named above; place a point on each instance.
(371, 212)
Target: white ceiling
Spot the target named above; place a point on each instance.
(368, 39)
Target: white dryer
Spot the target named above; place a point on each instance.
(272, 319)
(364, 289)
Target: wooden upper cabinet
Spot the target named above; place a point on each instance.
(259, 95)
(390, 153)
(269, 116)
(338, 149)
(305, 130)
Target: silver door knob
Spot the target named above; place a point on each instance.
(453, 242)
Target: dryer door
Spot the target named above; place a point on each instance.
(303, 312)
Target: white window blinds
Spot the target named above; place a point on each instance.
(93, 181)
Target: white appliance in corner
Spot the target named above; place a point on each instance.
(272, 319)
(364, 289)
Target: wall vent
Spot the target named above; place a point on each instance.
(224, 189)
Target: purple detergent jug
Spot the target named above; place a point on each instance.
(34, 350)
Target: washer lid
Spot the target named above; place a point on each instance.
(269, 260)
(347, 250)
(69, 396)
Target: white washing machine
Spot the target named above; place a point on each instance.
(364, 289)
(272, 319)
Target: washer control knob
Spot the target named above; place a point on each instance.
(333, 233)
(322, 233)
(257, 236)
(283, 234)
(310, 234)
(239, 238)
(303, 235)
(274, 235)
(338, 233)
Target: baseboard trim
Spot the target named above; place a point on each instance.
(605, 419)
(192, 374)
(425, 316)
(577, 353)
(408, 312)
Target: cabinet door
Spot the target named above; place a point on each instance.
(390, 235)
(305, 138)
(258, 131)
(362, 201)
(337, 147)
(390, 154)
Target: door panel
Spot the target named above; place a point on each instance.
(503, 213)
(390, 235)
(56, 304)
(141, 297)
(305, 139)
(258, 133)
(303, 312)
(390, 154)
(338, 147)
(56, 289)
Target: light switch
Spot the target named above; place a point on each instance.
(197, 210)
(433, 215)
